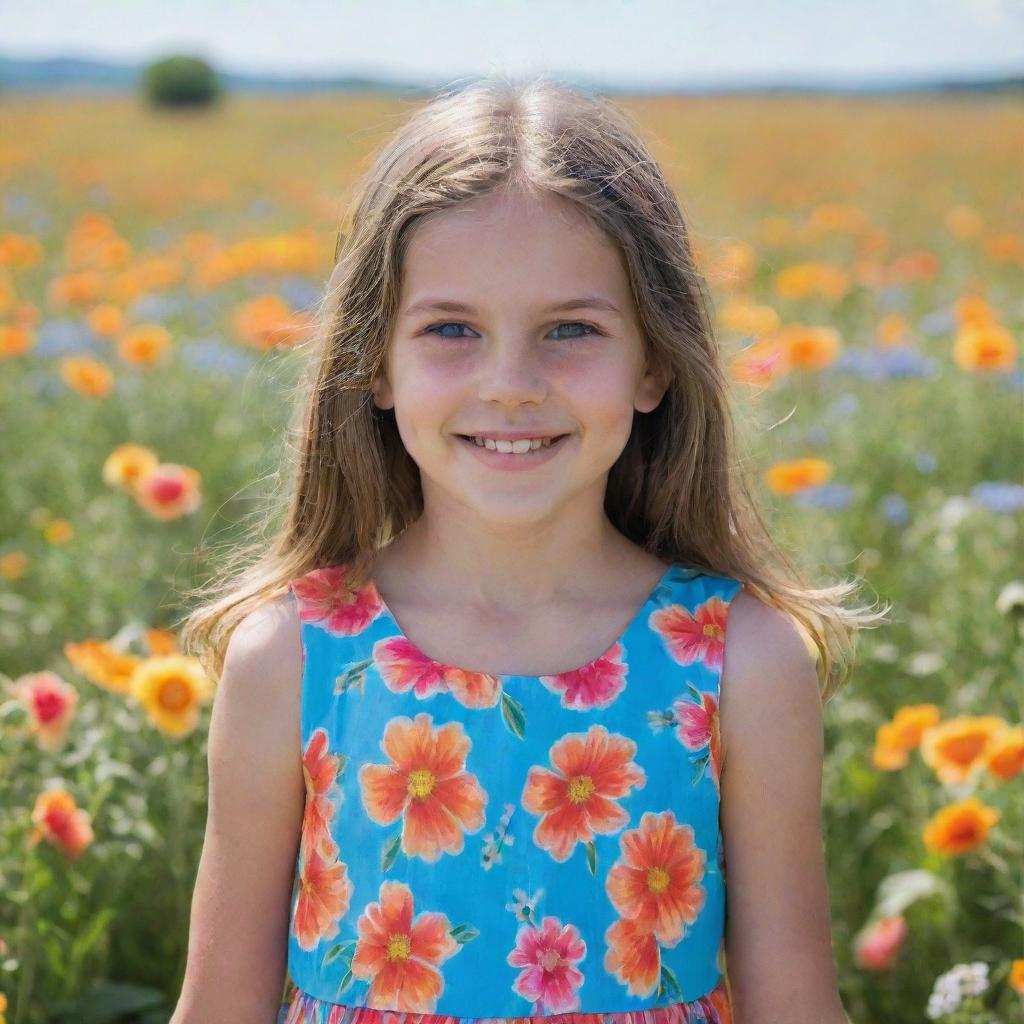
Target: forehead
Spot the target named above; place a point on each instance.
(512, 245)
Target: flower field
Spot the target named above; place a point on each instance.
(158, 276)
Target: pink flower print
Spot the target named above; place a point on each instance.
(549, 955)
(325, 598)
(699, 728)
(404, 667)
(593, 686)
(697, 637)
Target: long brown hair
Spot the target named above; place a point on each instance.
(676, 490)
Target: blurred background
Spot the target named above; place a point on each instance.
(172, 180)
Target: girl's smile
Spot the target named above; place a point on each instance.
(514, 461)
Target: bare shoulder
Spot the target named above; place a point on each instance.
(778, 931)
(767, 669)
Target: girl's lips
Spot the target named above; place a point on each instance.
(510, 460)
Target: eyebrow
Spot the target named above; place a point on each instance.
(449, 306)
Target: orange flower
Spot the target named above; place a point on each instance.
(106, 319)
(1005, 755)
(81, 288)
(172, 688)
(58, 531)
(893, 740)
(51, 704)
(127, 464)
(1016, 977)
(58, 820)
(809, 348)
(325, 894)
(960, 827)
(741, 316)
(169, 491)
(762, 362)
(320, 772)
(656, 882)
(633, 957)
(13, 565)
(145, 345)
(426, 784)
(733, 265)
(87, 376)
(268, 321)
(878, 945)
(594, 769)
(804, 279)
(15, 340)
(839, 217)
(963, 223)
(161, 641)
(1004, 247)
(103, 664)
(956, 749)
(399, 954)
(973, 309)
(983, 347)
(797, 475)
(20, 251)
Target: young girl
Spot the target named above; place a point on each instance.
(522, 672)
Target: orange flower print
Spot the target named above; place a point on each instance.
(633, 957)
(699, 729)
(403, 667)
(325, 891)
(656, 882)
(697, 637)
(399, 955)
(324, 597)
(426, 784)
(548, 956)
(595, 685)
(593, 770)
(323, 795)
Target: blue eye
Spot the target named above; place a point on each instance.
(434, 328)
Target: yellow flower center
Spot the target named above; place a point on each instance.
(398, 947)
(713, 632)
(657, 879)
(580, 788)
(175, 694)
(549, 960)
(421, 782)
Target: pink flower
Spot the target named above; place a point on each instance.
(593, 686)
(327, 598)
(549, 955)
(50, 703)
(878, 944)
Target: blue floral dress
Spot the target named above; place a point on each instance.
(504, 846)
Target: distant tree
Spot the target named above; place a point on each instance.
(181, 81)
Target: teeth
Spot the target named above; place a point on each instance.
(517, 447)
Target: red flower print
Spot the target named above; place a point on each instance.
(325, 598)
(697, 637)
(633, 957)
(595, 685)
(656, 882)
(426, 784)
(323, 899)
(320, 771)
(399, 955)
(549, 955)
(699, 728)
(578, 799)
(403, 667)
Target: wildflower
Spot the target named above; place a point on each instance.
(127, 464)
(169, 491)
(880, 943)
(58, 820)
(960, 827)
(172, 688)
(87, 376)
(50, 703)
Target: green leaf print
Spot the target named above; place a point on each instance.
(353, 676)
(591, 857)
(669, 985)
(342, 949)
(390, 851)
(463, 933)
(513, 715)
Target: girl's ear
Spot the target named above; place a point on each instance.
(382, 396)
(651, 389)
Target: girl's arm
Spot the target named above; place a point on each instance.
(779, 957)
(240, 907)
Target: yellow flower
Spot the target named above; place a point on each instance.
(145, 345)
(172, 688)
(960, 827)
(127, 464)
(984, 346)
(13, 565)
(102, 664)
(1016, 978)
(956, 749)
(87, 376)
(58, 531)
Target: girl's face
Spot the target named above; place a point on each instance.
(509, 360)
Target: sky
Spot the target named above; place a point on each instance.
(627, 41)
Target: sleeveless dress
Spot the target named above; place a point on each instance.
(509, 847)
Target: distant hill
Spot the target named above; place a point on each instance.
(26, 75)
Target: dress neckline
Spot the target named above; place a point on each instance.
(637, 616)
